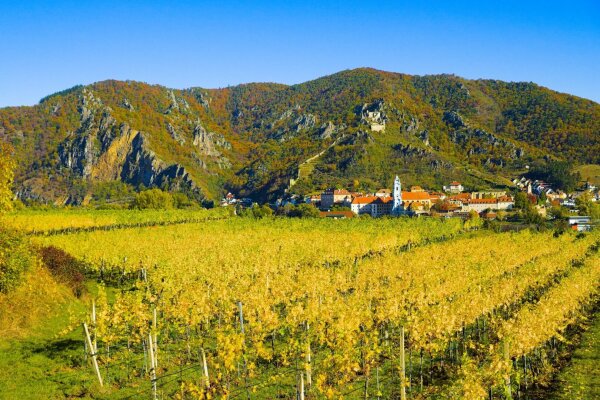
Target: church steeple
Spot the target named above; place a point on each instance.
(397, 208)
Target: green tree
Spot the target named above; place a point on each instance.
(181, 200)
(522, 201)
(303, 211)
(256, 211)
(543, 198)
(558, 173)
(15, 258)
(7, 166)
(586, 206)
(531, 216)
(558, 213)
(154, 199)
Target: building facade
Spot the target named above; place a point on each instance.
(375, 206)
(331, 197)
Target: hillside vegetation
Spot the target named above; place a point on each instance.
(366, 125)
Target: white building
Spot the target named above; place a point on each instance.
(480, 205)
(375, 206)
(454, 187)
(337, 196)
(581, 223)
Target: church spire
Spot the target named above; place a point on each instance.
(397, 208)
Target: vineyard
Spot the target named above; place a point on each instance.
(294, 308)
(43, 222)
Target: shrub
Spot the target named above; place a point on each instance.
(15, 259)
(154, 199)
(303, 211)
(7, 165)
(256, 211)
(181, 200)
(65, 268)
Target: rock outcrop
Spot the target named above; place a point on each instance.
(477, 141)
(174, 134)
(328, 129)
(143, 167)
(304, 122)
(453, 119)
(103, 150)
(210, 144)
(126, 104)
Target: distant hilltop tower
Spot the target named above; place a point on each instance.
(397, 208)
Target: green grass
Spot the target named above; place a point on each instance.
(590, 172)
(581, 378)
(44, 364)
(47, 361)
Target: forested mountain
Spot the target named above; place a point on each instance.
(354, 129)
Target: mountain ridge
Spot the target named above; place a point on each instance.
(252, 138)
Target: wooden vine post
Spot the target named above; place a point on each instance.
(243, 330)
(205, 368)
(93, 352)
(301, 387)
(506, 351)
(308, 359)
(155, 342)
(402, 366)
(152, 367)
(95, 349)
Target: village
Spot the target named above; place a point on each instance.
(453, 201)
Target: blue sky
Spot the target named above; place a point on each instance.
(49, 46)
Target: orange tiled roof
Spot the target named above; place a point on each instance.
(413, 196)
(371, 199)
(346, 214)
(364, 199)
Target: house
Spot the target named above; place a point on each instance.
(505, 203)
(437, 196)
(229, 199)
(416, 189)
(375, 206)
(581, 223)
(454, 187)
(569, 203)
(313, 199)
(416, 200)
(556, 195)
(446, 208)
(331, 197)
(480, 205)
(459, 199)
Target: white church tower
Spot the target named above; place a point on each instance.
(397, 208)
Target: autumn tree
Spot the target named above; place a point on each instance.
(7, 166)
